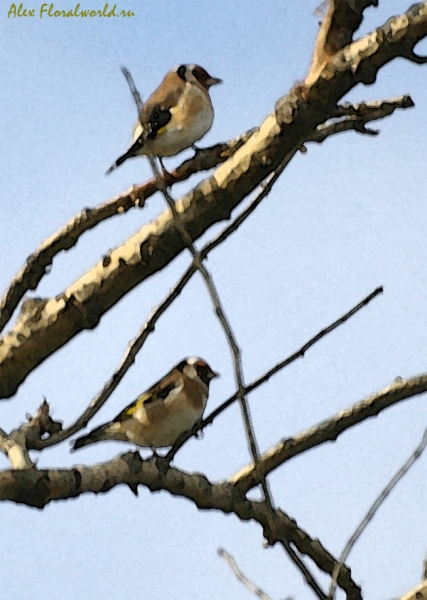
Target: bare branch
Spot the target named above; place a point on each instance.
(396, 38)
(409, 54)
(39, 426)
(417, 593)
(226, 326)
(149, 325)
(40, 262)
(15, 450)
(296, 116)
(342, 19)
(374, 508)
(238, 573)
(133, 89)
(311, 582)
(299, 354)
(330, 429)
(129, 469)
(355, 116)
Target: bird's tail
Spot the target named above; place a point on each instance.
(96, 435)
(133, 151)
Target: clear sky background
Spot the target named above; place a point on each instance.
(344, 218)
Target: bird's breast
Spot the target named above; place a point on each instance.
(191, 118)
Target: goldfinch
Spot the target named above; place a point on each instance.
(161, 414)
(175, 116)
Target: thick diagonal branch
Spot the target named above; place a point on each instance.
(149, 325)
(342, 19)
(46, 325)
(40, 261)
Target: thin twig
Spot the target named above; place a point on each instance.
(197, 260)
(371, 512)
(305, 571)
(330, 429)
(298, 354)
(149, 325)
(198, 263)
(133, 89)
(238, 573)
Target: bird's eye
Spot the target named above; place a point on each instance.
(181, 71)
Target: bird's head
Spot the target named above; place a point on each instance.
(197, 75)
(197, 368)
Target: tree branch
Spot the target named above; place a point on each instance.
(374, 508)
(45, 325)
(149, 325)
(39, 263)
(297, 560)
(38, 488)
(355, 116)
(417, 593)
(284, 363)
(342, 19)
(238, 573)
(14, 448)
(330, 429)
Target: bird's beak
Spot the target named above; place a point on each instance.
(213, 81)
(213, 375)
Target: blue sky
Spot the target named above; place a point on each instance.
(344, 218)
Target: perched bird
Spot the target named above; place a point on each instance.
(161, 414)
(175, 116)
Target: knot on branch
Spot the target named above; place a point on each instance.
(40, 425)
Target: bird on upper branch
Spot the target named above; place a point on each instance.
(161, 414)
(175, 116)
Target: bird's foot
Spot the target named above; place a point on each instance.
(160, 461)
(166, 175)
(196, 150)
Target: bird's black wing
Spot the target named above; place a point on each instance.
(158, 118)
(155, 393)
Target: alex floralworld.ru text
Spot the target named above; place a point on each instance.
(48, 10)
